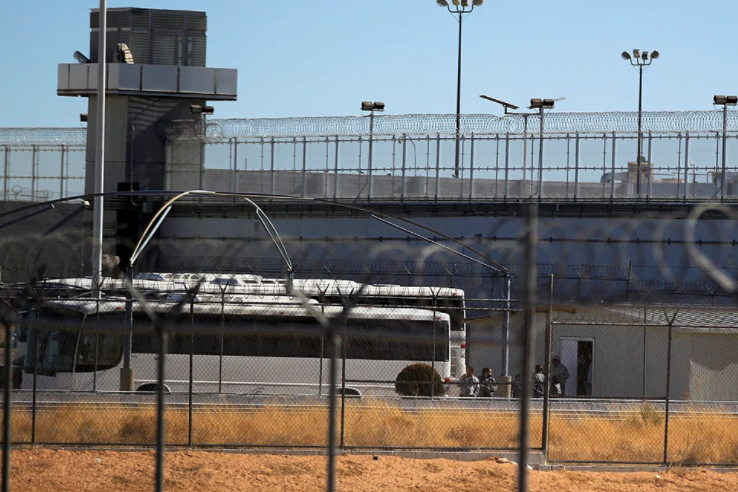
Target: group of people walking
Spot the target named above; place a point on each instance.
(486, 387)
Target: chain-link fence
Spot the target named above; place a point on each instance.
(635, 383)
(40, 172)
(568, 166)
(359, 342)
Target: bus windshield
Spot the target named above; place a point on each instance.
(56, 346)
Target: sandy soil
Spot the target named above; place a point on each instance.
(49, 470)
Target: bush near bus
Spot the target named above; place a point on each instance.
(410, 381)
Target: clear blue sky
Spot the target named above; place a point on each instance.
(318, 58)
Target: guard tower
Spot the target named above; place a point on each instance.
(156, 72)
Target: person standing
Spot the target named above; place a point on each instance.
(487, 385)
(539, 382)
(469, 383)
(559, 372)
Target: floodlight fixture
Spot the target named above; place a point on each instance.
(442, 3)
(625, 55)
(644, 56)
(537, 103)
(725, 100)
(80, 57)
(83, 117)
(464, 3)
(197, 109)
(654, 54)
(477, 3)
(372, 106)
(636, 54)
(455, 2)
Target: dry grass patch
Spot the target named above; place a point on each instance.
(697, 437)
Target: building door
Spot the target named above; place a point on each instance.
(577, 354)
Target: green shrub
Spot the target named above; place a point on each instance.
(411, 381)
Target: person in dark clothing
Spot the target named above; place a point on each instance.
(487, 385)
(539, 382)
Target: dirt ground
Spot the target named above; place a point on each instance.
(51, 470)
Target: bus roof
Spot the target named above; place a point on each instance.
(254, 284)
(292, 308)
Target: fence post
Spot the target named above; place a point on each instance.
(686, 164)
(507, 165)
(529, 287)
(547, 370)
(191, 375)
(235, 165)
(271, 168)
(679, 165)
(404, 165)
(612, 180)
(506, 331)
(34, 396)
(160, 402)
(668, 391)
(438, 166)
(34, 165)
(304, 166)
(471, 170)
(645, 321)
(7, 385)
(61, 174)
(334, 345)
(650, 167)
(343, 386)
(576, 167)
(6, 172)
(335, 176)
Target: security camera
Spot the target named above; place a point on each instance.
(80, 57)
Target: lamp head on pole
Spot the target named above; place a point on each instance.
(625, 55)
(442, 3)
(372, 106)
(636, 54)
(721, 100)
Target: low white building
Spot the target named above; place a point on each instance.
(623, 351)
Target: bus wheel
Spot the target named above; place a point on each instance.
(152, 388)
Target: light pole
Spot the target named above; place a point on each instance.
(539, 104)
(640, 61)
(724, 101)
(372, 107)
(99, 183)
(461, 7)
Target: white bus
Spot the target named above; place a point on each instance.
(245, 288)
(269, 345)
